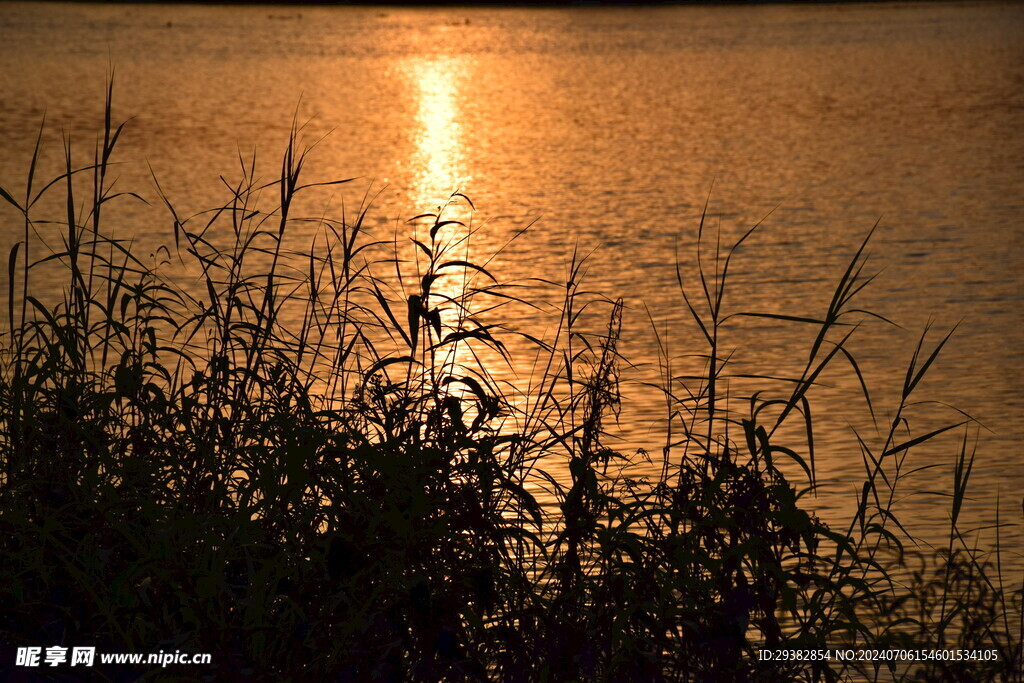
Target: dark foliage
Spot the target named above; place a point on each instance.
(303, 466)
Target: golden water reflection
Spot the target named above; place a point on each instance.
(438, 163)
(437, 168)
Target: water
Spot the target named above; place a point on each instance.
(612, 127)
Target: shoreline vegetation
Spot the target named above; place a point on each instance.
(354, 497)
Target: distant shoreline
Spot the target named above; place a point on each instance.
(488, 3)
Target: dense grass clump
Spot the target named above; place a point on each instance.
(299, 462)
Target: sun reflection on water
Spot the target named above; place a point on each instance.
(438, 164)
(437, 169)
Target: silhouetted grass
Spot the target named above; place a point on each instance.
(301, 463)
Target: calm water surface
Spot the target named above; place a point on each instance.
(610, 126)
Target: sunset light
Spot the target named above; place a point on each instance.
(566, 341)
(438, 162)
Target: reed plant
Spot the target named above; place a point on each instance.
(301, 461)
